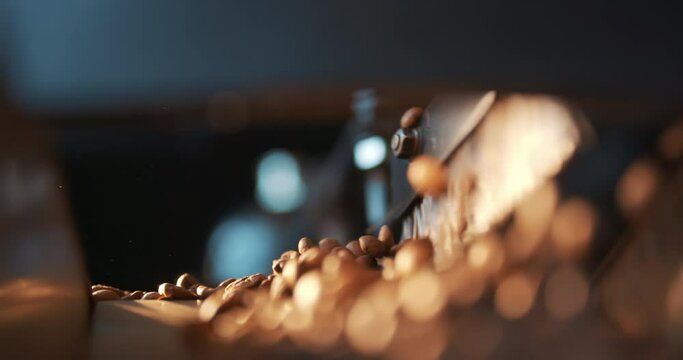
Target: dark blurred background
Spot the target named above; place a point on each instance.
(164, 113)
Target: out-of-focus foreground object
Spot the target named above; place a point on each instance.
(43, 300)
(496, 149)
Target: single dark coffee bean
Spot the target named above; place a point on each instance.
(291, 272)
(104, 295)
(343, 253)
(97, 287)
(386, 237)
(367, 260)
(328, 244)
(311, 259)
(186, 281)
(226, 282)
(175, 292)
(305, 244)
(152, 295)
(135, 295)
(372, 246)
(413, 255)
(266, 282)
(277, 266)
(204, 291)
(354, 247)
(289, 254)
(411, 117)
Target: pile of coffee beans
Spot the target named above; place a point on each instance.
(377, 297)
(326, 292)
(187, 287)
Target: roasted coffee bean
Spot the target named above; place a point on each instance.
(311, 259)
(396, 248)
(327, 244)
(266, 282)
(226, 282)
(309, 290)
(354, 247)
(186, 281)
(413, 255)
(278, 287)
(194, 287)
(152, 295)
(343, 252)
(255, 280)
(203, 291)
(135, 295)
(278, 264)
(367, 260)
(105, 294)
(175, 292)
(427, 175)
(289, 254)
(386, 237)
(210, 307)
(229, 300)
(291, 272)
(97, 287)
(345, 277)
(234, 295)
(372, 246)
(334, 266)
(305, 244)
(239, 283)
(411, 117)
(247, 282)
(388, 269)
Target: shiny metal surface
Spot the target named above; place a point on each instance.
(444, 127)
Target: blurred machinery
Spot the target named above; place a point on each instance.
(479, 174)
(554, 213)
(497, 149)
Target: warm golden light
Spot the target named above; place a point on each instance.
(298, 320)
(515, 296)
(308, 290)
(421, 295)
(566, 293)
(637, 187)
(532, 219)
(234, 324)
(271, 314)
(522, 143)
(419, 340)
(572, 228)
(325, 330)
(463, 285)
(486, 254)
(382, 295)
(368, 331)
(427, 175)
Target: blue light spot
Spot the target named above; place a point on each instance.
(279, 185)
(369, 152)
(241, 246)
